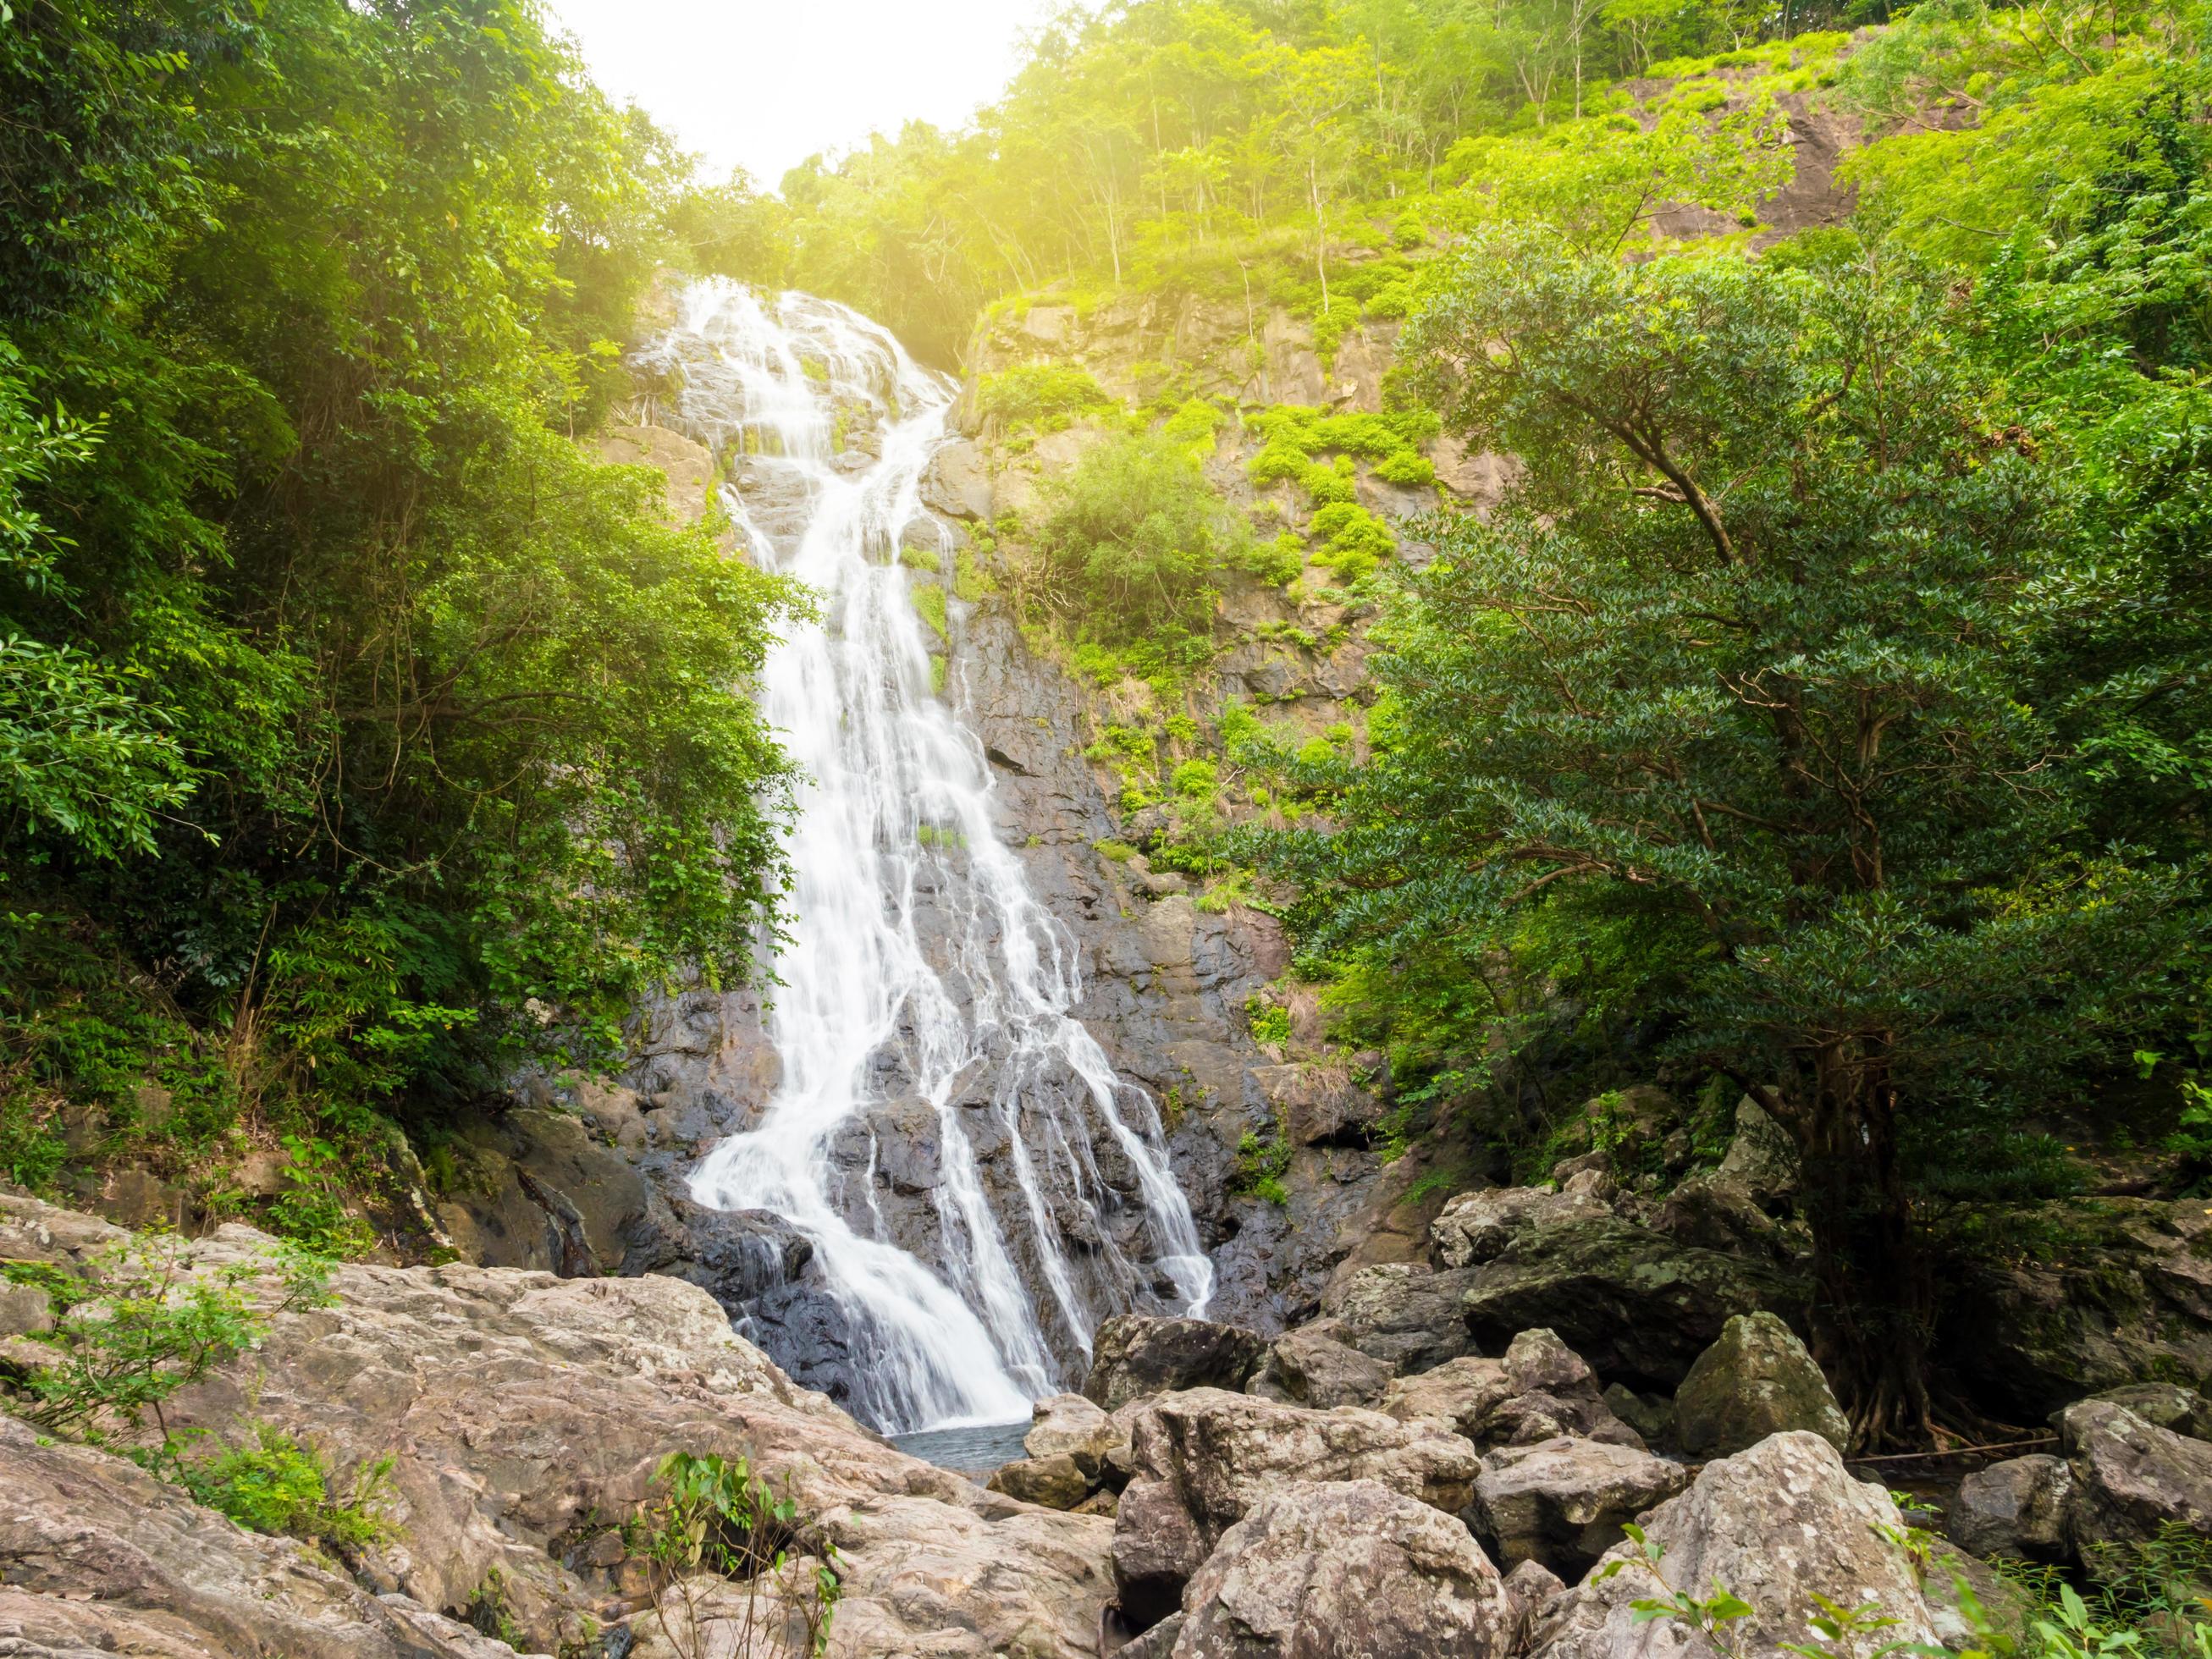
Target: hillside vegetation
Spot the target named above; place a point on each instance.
(1821, 714)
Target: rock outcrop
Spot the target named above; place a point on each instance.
(1774, 1525)
(1310, 1367)
(1136, 1355)
(1405, 1314)
(1540, 1389)
(2131, 1478)
(1202, 1458)
(1345, 1567)
(99, 1557)
(1562, 1501)
(2021, 1507)
(1755, 1381)
(1638, 1306)
(526, 1415)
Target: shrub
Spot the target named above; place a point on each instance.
(278, 1486)
(1134, 538)
(716, 1517)
(1048, 396)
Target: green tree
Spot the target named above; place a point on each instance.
(1739, 665)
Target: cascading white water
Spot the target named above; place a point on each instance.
(919, 964)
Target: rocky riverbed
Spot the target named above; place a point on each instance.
(1212, 1492)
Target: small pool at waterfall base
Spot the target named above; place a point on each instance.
(974, 1450)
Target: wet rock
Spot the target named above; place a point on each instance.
(1405, 1314)
(1562, 1501)
(1475, 1227)
(1056, 1482)
(1345, 1567)
(1310, 1367)
(103, 1558)
(2017, 1508)
(1639, 1307)
(2131, 1478)
(1134, 1355)
(1774, 1524)
(1200, 1460)
(1755, 1381)
(1068, 1424)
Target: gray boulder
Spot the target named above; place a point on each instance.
(1539, 1389)
(1531, 1589)
(1774, 1524)
(1405, 1314)
(1562, 1501)
(1345, 1567)
(1310, 1367)
(103, 1558)
(2016, 1508)
(1475, 1227)
(1068, 1424)
(1134, 1355)
(1054, 1482)
(2131, 1478)
(2168, 1405)
(1638, 1306)
(1201, 1459)
(1755, 1381)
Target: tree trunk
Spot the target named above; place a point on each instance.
(1874, 1293)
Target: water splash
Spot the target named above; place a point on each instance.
(925, 992)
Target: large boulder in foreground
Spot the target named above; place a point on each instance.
(2131, 1478)
(1755, 1381)
(1562, 1501)
(1638, 1305)
(1345, 1567)
(1134, 1355)
(528, 1414)
(1202, 1458)
(1775, 1525)
(103, 1558)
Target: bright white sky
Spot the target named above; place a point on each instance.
(762, 84)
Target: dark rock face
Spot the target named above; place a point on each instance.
(2131, 1299)
(1639, 1307)
(1347, 1567)
(1137, 1355)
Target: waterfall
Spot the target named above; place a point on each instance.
(922, 1000)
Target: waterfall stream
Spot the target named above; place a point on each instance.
(924, 993)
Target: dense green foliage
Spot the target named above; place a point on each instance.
(1232, 146)
(347, 705)
(1828, 695)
